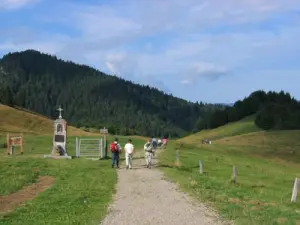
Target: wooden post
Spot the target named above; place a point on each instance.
(234, 174)
(201, 166)
(295, 190)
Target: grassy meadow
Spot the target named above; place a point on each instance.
(267, 165)
(82, 189)
(76, 180)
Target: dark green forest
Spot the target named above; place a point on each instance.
(92, 99)
(273, 111)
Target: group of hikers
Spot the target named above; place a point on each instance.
(149, 148)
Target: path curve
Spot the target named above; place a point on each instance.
(143, 197)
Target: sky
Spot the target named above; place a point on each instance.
(216, 51)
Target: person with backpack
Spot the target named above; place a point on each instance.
(154, 145)
(128, 154)
(148, 148)
(165, 142)
(115, 149)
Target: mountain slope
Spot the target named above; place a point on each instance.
(17, 120)
(40, 82)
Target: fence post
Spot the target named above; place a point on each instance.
(234, 174)
(106, 147)
(76, 147)
(201, 166)
(79, 143)
(101, 149)
(295, 190)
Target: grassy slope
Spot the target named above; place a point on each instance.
(263, 192)
(17, 120)
(76, 179)
(236, 128)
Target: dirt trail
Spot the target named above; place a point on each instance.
(143, 197)
(9, 202)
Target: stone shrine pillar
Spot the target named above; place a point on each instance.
(60, 136)
(59, 142)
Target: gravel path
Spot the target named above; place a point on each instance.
(143, 197)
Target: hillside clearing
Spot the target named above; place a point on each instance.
(244, 126)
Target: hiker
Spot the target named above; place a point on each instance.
(148, 148)
(159, 143)
(154, 145)
(165, 142)
(115, 149)
(128, 154)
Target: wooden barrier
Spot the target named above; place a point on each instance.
(12, 141)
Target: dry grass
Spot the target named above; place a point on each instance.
(17, 120)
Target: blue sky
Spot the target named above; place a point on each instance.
(201, 50)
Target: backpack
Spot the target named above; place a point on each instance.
(113, 147)
(148, 147)
(154, 143)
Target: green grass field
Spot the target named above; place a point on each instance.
(76, 180)
(267, 167)
(267, 163)
(235, 128)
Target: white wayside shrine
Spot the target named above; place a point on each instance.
(59, 147)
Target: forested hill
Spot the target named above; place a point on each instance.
(90, 98)
(273, 111)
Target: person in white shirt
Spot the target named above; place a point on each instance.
(128, 154)
(159, 143)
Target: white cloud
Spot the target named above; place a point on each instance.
(177, 46)
(15, 4)
(203, 69)
(186, 82)
(112, 68)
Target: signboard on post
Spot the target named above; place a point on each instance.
(104, 131)
(12, 141)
